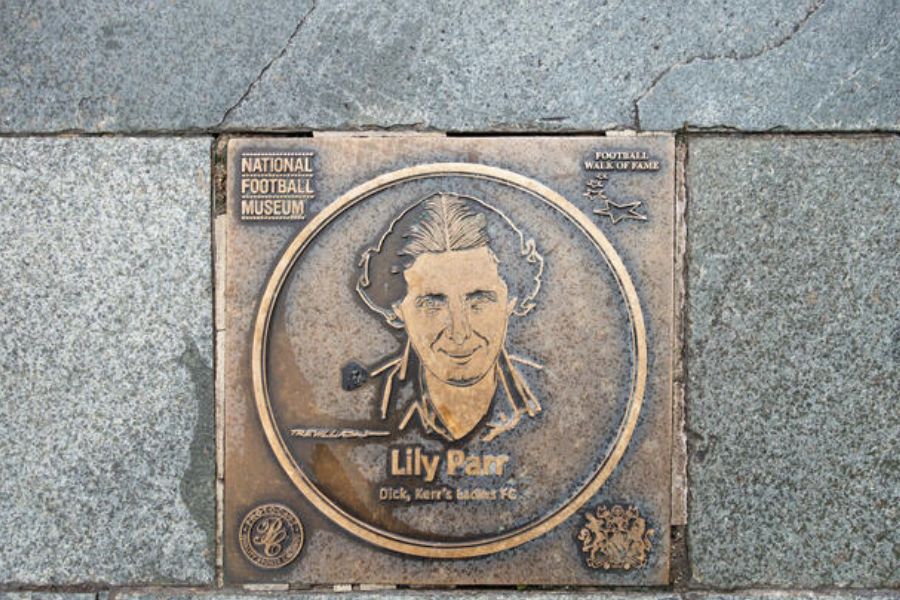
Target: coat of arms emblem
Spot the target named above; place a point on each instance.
(616, 538)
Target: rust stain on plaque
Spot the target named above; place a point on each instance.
(440, 366)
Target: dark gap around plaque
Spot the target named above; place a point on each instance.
(525, 133)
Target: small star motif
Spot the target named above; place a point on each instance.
(619, 212)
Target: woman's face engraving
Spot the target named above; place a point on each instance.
(455, 312)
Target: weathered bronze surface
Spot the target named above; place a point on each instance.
(450, 357)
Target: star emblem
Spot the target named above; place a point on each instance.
(619, 212)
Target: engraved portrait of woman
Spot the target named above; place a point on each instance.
(448, 274)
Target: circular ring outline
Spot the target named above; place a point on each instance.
(290, 552)
(404, 544)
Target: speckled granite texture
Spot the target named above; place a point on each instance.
(133, 66)
(795, 595)
(456, 65)
(793, 356)
(47, 596)
(106, 435)
(836, 70)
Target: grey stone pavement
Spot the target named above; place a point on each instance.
(120, 66)
(108, 114)
(793, 361)
(106, 434)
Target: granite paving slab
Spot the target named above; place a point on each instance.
(838, 70)
(795, 595)
(159, 66)
(47, 596)
(106, 418)
(792, 360)
(133, 66)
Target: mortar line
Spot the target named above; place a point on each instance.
(679, 564)
(217, 474)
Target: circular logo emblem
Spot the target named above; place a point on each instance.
(449, 360)
(271, 536)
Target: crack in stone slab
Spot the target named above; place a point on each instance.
(734, 55)
(268, 65)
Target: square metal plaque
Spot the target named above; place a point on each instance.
(447, 360)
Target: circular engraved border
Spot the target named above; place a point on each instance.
(290, 552)
(423, 547)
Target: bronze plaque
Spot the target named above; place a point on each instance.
(447, 360)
